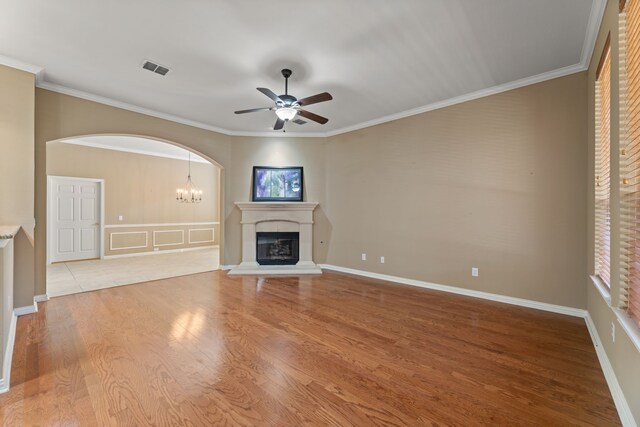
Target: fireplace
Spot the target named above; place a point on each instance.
(285, 221)
(277, 248)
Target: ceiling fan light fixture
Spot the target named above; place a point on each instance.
(288, 106)
(286, 113)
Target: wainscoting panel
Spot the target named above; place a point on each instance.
(131, 239)
(126, 240)
(201, 235)
(168, 237)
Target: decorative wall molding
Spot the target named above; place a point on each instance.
(20, 65)
(54, 87)
(146, 239)
(593, 25)
(494, 90)
(5, 381)
(561, 72)
(181, 242)
(202, 241)
(624, 411)
(170, 224)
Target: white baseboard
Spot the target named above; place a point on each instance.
(41, 298)
(624, 411)
(167, 251)
(561, 309)
(8, 355)
(29, 309)
(227, 266)
(20, 311)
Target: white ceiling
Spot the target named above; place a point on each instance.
(379, 59)
(134, 144)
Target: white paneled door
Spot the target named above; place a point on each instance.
(74, 219)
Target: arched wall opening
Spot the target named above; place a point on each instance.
(115, 196)
(60, 116)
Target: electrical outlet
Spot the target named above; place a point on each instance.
(381, 260)
(120, 217)
(156, 249)
(613, 332)
(364, 257)
(474, 271)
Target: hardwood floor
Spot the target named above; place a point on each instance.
(209, 349)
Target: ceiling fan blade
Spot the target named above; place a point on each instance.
(316, 118)
(321, 97)
(270, 94)
(253, 110)
(279, 124)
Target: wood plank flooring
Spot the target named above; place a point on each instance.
(209, 349)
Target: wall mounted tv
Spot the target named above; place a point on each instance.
(277, 184)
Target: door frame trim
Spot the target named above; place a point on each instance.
(50, 227)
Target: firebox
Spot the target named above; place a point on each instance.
(276, 248)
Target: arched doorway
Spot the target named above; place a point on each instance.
(113, 217)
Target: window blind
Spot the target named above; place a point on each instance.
(630, 159)
(602, 167)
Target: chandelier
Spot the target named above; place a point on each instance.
(189, 193)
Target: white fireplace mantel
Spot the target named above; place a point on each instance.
(276, 216)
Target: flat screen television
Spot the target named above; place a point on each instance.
(277, 184)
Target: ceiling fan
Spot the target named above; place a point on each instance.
(288, 106)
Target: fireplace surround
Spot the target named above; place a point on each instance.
(276, 217)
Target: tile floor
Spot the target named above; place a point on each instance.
(81, 276)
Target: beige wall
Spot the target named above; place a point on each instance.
(142, 189)
(624, 357)
(16, 192)
(17, 173)
(309, 153)
(16, 139)
(60, 116)
(493, 183)
(496, 183)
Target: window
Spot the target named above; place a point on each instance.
(630, 159)
(602, 167)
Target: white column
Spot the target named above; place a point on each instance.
(306, 244)
(248, 245)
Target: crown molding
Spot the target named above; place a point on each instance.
(560, 72)
(54, 87)
(593, 26)
(20, 65)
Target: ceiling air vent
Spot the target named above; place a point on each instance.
(299, 121)
(158, 69)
